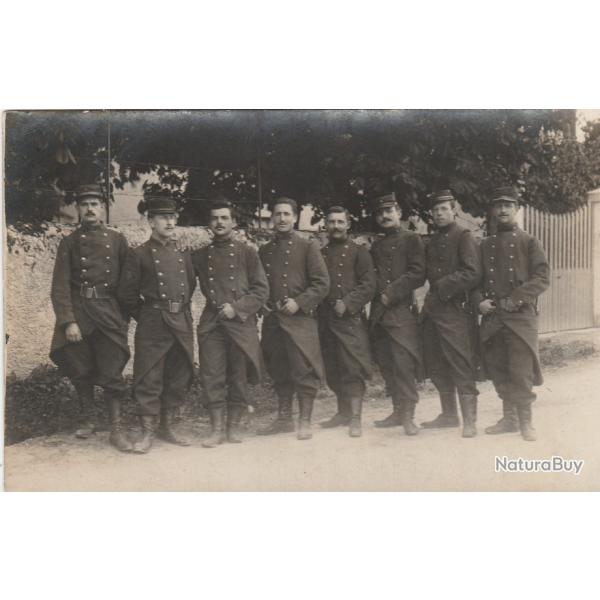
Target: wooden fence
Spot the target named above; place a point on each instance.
(567, 240)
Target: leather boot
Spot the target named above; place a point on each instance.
(395, 418)
(234, 416)
(283, 423)
(165, 430)
(355, 429)
(508, 422)
(87, 420)
(217, 433)
(341, 417)
(117, 437)
(448, 416)
(527, 430)
(408, 419)
(468, 407)
(306, 408)
(143, 445)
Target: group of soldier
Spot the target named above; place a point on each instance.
(480, 304)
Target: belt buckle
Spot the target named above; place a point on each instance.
(174, 307)
(88, 292)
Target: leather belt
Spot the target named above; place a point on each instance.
(170, 306)
(95, 292)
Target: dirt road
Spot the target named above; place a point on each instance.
(566, 415)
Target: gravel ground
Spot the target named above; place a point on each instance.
(566, 416)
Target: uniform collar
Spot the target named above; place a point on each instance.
(447, 228)
(284, 236)
(512, 227)
(156, 242)
(97, 227)
(395, 231)
(334, 242)
(223, 242)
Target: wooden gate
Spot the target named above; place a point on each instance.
(567, 240)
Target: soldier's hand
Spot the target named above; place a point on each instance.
(385, 300)
(487, 306)
(339, 308)
(73, 333)
(227, 311)
(511, 306)
(290, 307)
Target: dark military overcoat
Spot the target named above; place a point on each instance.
(399, 259)
(514, 266)
(295, 269)
(352, 280)
(453, 270)
(90, 259)
(230, 271)
(156, 272)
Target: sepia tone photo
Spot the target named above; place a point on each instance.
(302, 300)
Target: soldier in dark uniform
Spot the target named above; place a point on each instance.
(515, 273)
(342, 327)
(399, 259)
(453, 270)
(90, 336)
(298, 282)
(156, 288)
(235, 286)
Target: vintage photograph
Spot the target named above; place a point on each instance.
(302, 300)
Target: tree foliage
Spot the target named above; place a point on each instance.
(317, 157)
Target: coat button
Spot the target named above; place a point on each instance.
(284, 275)
(231, 277)
(287, 251)
(491, 281)
(338, 285)
(491, 270)
(153, 249)
(289, 243)
(157, 261)
(160, 274)
(84, 270)
(163, 295)
(182, 271)
(108, 270)
(83, 235)
(86, 282)
(212, 291)
(108, 245)
(180, 259)
(106, 285)
(108, 258)
(211, 278)
(232, 266)
(231, 254)
(83, 258)
(105, 234)
(182, 284)
(161, 283)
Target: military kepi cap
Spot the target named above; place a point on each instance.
(440, 196)
(505, 193)
(384, 201)
(161, 205)
(89, 190)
